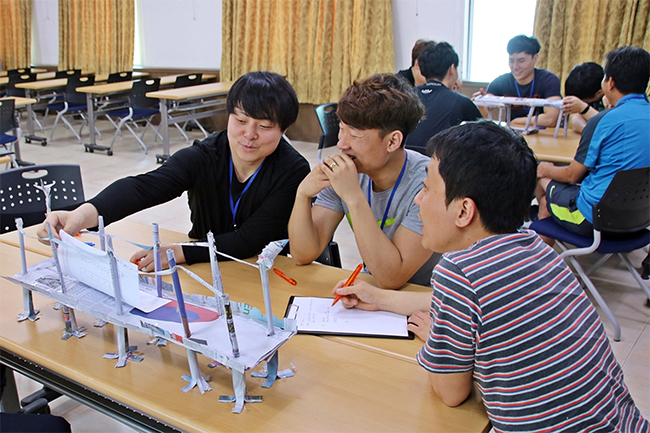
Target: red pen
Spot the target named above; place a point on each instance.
(283, 275)
(349, 282)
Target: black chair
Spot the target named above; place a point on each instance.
(620, 221)
(14, 79)
(330, 255)
(140, 108)
(20, 71)
(74, 104)
(68, 74)
(329, 123)
(187, 81)
(20, 198)
(117, 77)
(7, 122)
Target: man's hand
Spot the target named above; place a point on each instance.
(342, 174)
(145, 262)
(72, 222)
(481, 92)
(543, 169)
(573, 105)
(313, 183)
(361, 295)
(420, 324)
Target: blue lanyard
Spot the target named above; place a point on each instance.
(392, 193)
(532, 86)
(235, 206)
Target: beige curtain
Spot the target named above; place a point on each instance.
(321, 46)
(15, 33)
(576, 31)
(96, 36)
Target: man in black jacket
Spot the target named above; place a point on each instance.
(241, 182)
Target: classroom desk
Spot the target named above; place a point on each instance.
(336, 387)
(33, 89)
(188, 94)
(547, 148)
(21, 102)
(111, 89)
(52, 75)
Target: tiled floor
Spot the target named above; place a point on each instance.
(616, 285)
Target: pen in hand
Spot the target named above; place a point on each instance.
(286, 277)
(349, 282)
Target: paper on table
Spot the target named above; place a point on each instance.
(318, 316)
(93, 269)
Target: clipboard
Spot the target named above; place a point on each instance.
(317, 316)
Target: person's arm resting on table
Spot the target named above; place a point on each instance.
(572, 173)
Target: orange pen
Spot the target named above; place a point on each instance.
(349, 282)
(283, 275)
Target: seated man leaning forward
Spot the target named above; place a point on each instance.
(584, 94)
(613, 140)
(372, 182)
(506, 310)
(241, 182)
(527, 81)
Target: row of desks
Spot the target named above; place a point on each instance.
(340, 384)
(43, 76)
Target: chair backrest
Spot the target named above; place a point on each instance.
(67, 74)
(329, 123)
(21, 71)
(188, 80)
(20, 198)
(330, 255)
(138, 98)
(17, 79)
(116, 77)
(6, 115)
(625, 206)
(73, 97)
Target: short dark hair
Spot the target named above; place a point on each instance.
(264, 95)
(420, 45)
(630, 69)
(584, 80)
(522, 43)
(435, 61)
(382, 101)
(493, 166)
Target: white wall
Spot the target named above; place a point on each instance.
(45, 32)
(438, 20)
(186, 34)
(182, 34)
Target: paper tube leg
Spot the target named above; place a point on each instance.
(124, 354)
(239, 385)
(197, 378)
(28, 303)
(271, 371)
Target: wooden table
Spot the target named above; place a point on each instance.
(32, 71)
(338, 386)
(560, 149)
(115, 88)
(214, 91)
(21, 102)
(52, 75)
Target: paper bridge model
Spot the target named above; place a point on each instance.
(507, 102)
(111, 289)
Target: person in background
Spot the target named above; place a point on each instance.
(412, 75)
(584, 95)
(372, 183)
(526, 81)
(506, 310)
(241, 182)
(443, 107)
(613, 140)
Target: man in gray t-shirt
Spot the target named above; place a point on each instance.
(372, 182)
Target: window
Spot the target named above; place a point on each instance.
(492, 23)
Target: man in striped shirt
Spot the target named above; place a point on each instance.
(506, 311)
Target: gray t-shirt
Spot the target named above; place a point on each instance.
(403, 211)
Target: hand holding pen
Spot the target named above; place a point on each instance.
(349, 282)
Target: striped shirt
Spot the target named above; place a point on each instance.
(510, 309)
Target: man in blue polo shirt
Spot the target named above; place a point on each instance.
(613, 140)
